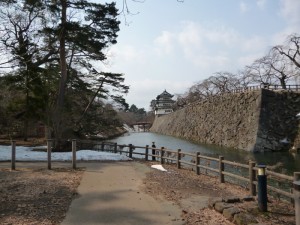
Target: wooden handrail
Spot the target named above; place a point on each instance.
(218, 167)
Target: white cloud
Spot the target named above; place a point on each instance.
(143, 91)
(254, 44)
(125, 53)
(222, 35)
(211, 62)
(211, 48)
(248, 59)
(290, 11)
(164, 43)
(243, 7)
(190, 38)
(261, 4)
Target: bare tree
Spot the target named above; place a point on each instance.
(224, 82)
(259, 72)
(244, 78)
(282, 69)
(291, 49)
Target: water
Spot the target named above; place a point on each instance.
(291, 162)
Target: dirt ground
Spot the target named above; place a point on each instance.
(183, 187)
(40, 196)
(36, 196)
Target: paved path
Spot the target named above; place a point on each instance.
(110, 193)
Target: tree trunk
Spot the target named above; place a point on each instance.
(282, 81)
(58, 112)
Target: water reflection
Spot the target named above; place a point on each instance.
(291, 162)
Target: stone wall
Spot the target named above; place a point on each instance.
(261, 120)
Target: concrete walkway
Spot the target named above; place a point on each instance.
(110, 193)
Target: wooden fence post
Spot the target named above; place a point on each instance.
(197, 161)
(296, 178)
(153, 153)
(49, 149)
(221, 169)
(116, 148)
(146, 152)
(74, 154)
(252, 177)
(162, 151)
(178, 158)
(130, 150)
(13, 155)
(296, 191)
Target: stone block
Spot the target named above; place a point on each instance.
(232, 199)
(220, 206)
(230, 212)
(248, 198)
(244, 219)
(213, 201)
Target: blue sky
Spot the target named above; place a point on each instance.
(172, 45)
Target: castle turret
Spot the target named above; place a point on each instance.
(164, 104)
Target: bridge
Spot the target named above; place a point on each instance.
(144, 124)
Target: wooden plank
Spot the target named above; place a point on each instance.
(236, 176)
(209, 168)
(278, 175)
(236, 164)
(189, 154)
(188, 163)
(209, 158)
(287, 194)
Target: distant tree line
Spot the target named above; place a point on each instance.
(280, 66)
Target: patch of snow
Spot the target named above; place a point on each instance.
(159, 167)
(26, 154)
(298, 116)
(284, 141)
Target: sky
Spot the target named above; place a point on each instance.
(171, 45)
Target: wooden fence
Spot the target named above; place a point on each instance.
(200, 163)
(274, 87)
(226, 171)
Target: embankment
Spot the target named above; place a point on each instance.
(261, 120)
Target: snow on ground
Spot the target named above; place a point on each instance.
(26, 154)
(159, 167)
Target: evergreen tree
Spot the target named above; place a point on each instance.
(55, 46)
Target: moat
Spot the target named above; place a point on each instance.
(290, 161)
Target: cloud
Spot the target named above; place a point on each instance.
(126, 53)
(248, 59)
(289, 11)
(211, 62)
(254, 43)
(164, 43)
(261, 4)
(143, 91)
(190, 34)
(222, 35)
(243, 7)
(211, 47)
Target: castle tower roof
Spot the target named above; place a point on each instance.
(164, 94)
